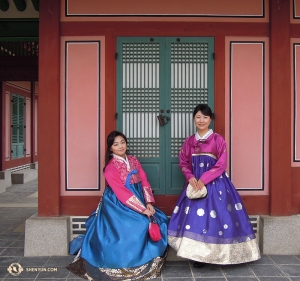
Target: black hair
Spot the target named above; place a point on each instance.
(109, 142)
(205, 110)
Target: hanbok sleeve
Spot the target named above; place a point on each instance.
(147, 190)
(220, 165)
(185, 160)
(112, 176)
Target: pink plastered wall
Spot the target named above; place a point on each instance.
(295, 11)
(295, 106)
(82, 115)
(247, 113)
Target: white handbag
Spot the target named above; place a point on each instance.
(193, 193)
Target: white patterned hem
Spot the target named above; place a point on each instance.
(215, 253)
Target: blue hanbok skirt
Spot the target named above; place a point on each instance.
(215, 229)
(117, 245)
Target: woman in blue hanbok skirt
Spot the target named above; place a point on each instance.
(215, 229)
(117, 245)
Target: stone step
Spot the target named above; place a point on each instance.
(5, 180)
(23, 176)
(173, 257)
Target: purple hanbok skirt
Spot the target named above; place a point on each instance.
(215, 229)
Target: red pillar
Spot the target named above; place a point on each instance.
(49, 109)
(280, 108)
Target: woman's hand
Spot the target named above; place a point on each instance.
(193, 182)
(196, 184)
(147, 213)
(150, 208)
(200, 184)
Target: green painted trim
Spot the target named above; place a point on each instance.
(17, 39)
(19, 19)
(4, 5)
(19, 29)
(20, 5)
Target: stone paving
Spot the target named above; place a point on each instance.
(19, 202)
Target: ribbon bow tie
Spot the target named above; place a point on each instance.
(199, 142)
(202, 141)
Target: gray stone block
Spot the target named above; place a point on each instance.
(34, 165)
(5, 180)
(24, 176)
(280, 235)
(172, 256)
(47, 236)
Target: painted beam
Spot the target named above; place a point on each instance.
(4, 5)
(20, 5)
(36, 4)
(12, 28)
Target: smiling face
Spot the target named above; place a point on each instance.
(119, 146)
(202, 122)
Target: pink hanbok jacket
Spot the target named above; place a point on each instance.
(214, 145)
(116, 173)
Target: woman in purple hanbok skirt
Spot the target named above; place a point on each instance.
(215, 229)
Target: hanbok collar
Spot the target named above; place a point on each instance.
(123, 160)
(206, 136)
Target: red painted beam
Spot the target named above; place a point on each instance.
(94, 28)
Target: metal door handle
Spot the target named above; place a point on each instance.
(163, 120)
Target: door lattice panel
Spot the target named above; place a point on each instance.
(140, 147)
(185, 100)
(140, 52)
(189, 87)
(189, 53)
(140, 97)
(140, 100)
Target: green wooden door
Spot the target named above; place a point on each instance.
(159, 82)
(17, 126)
